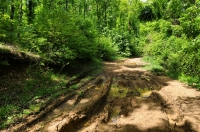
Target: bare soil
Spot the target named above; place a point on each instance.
(125, 98)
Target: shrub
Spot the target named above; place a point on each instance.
(106, 49)
(177, 30)
(190, 62)
(7, 27)
(190, 21)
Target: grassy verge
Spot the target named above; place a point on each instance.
(155, 67)
(34, 88)
(27, 87)
(18, 53)
(28, 93)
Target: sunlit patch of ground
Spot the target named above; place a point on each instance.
(125, 97)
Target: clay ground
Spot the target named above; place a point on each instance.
(126, 98)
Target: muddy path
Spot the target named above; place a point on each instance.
(126, 98)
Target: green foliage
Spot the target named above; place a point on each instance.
(154, 66)
(5, 114)
(60, 40)
(191, 80)
(147, 14)
(159, 8)
(36, 89)
(174, 9)
(7, 26)
(4, 63)
(190, 21)
(106, 49)
(64, 31)
(161, 25)
(26, 37)
(122, 40)
(174, 43)
(190, 58)
(177, 30)
(4, 111)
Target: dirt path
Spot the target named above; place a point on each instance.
(126, 98)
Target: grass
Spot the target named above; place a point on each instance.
(35, 88)
(25, 92)
(156, 68)
(191, 81)
(81, 93)
(153, 66)
(28, 87)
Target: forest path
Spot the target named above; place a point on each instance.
(125, 97)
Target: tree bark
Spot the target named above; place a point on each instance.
(66, 4)
(84, 8)
(30, 11)
(12, 10)
(20, 12)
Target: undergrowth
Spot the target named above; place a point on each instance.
(170, 51)
(26, 92)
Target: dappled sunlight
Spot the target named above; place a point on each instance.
(84, 101)
(71, 102)
(125, 68)
(69, 66)
(124, 97)
(175, 87)
(152, 119)
(126, 65)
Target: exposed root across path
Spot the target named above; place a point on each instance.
(126, 98)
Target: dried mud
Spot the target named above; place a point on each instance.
(126, 98)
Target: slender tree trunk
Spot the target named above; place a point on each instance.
(105, 11)
(20, 12)
(66, 4)
(12, 13)
(97, 11)
(80, 9)
(84, 4)
(30, 11)
(12, 10)
(3, 10)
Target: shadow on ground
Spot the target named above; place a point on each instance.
(123, 98)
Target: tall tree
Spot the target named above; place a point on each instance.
(30, 8)
(174, 9)
(12, 9)
(20, 11)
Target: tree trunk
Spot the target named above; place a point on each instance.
(84, 4)
(12, 10)
(97, 11)
(30, 11)
(66, 4)
(20, 12)
(105, 11)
